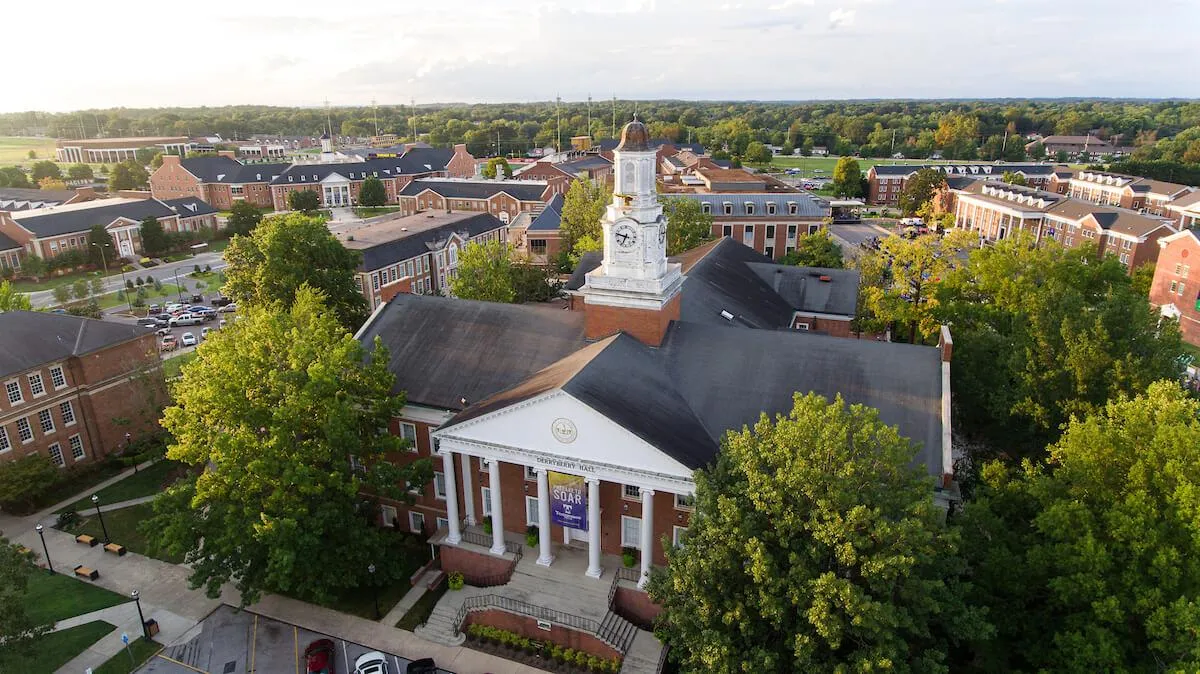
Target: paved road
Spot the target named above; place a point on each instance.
(164, 273)
(855, 234)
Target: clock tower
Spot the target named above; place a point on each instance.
(635, 289)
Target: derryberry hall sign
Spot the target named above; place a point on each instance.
(568, 500)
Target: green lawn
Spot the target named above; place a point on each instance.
(54, 650)
(15, 150)
(122, 528)
(371, 211)
(74, 481)
(173, 366)
(27, 286)
(119, 664)
(1193, 351)
(147, 482)
(420, 611)
(53, 597)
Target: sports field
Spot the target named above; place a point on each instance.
(15, 150)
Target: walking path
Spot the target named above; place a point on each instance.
(164, 272)
(406, 602)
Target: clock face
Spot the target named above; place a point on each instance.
(662, 230)
(625, 236)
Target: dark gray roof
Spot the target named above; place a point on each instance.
(803, 289)
(32, 338)
(24, 198)
(981, 170)
(53, 222)
(413, 245)
(443, 349)
(551, 216)
(7, 243)
(189, 207)
(723, 280)
(414, 162)
(807, 205)
(587, 262)
(521, 190)
(212, 169)
(589, 162)
(611, 144)
(731, 376)
(625, 381)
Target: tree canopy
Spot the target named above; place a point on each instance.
(372, 193)
(287, 251)
(243, 218)
(487, 272)
(100, 245)
(497, 166)
(13, 176)
(18, 629)
(688, 225)
(919, 189)
(45, 169)
(23, 480)
(287, 413)
(155, 241)
(583, 207)
(816, 250)
(11, 300)
(847, 178)
(80, 172)
(815, 547)
(1090, 561)
(305, 201)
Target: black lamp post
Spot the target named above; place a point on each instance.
(374, 590)
(96, 502)
(178, 289)
(40, 529)
(135, 468)
(141, 618)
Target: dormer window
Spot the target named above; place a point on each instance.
(728, 208)
(706, 208)
(770, 208)
(793, 208)
(749, 208)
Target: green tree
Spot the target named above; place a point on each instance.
(138, 174)
(497, 166)
(96, 286)
(1043, 333)
(145, 155)
(582, 209)
(33, 266)
(1013, 178)
(80, 289)
(287, 251)
(14, 176)
(46, 169)
(484, 273)
(919, 189)
(305, 201)
(757, 153)
(688, 225)
(303, 410)
(11, 300)
(533, 283)
(583, 246)
(1088, 561)
(17, 629)
(32, 154)
(847, 178)
(24, 479)
(156, 161)
(816, 250)
(120, 178)
(1142, 278)
(243, 218)
(155, 241)
(80, 172)
(816, 547)
(915, 267)
(62, 294)
(372, 193)
(100, 245)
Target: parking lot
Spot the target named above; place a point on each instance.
(177, 331)
(239, 642)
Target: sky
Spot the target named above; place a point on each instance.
(303, 52)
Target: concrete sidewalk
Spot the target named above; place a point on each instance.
(125, 617)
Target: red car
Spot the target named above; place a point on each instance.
(319, 657)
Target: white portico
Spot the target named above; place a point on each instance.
(555, 432)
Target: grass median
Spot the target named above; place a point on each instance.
(51, 651)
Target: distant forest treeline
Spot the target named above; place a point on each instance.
(986, 130)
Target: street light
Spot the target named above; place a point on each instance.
(177, 288)
(96, 502)
(374, 590)
(49, 565)
(141, 618)
(127, 436)
(103, 257)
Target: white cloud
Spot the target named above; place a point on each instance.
(841, 17)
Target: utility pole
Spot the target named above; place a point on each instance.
(558, 124)
(589, 113)
(328, 119)
(1004, 145)
(614, 122)
(893, 150)
(375, 113)
(412, 117)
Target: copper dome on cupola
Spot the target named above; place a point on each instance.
(634, 137)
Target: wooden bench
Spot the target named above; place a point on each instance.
(23, 550)
(118, 550)
(84, 572)
(86, 540)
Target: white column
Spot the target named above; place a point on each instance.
(497, 508)
(594, 569)
(455, 536)
(468, 489)
(647, 535)
(545, 557)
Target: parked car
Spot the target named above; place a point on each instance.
(422, 666)
(197, 298)
(204, 332)
(169, 343)
(228, 308)
(219, 301)
(371, 663)
(189, 339)
(173, 307)
(186, 319)
(319, 658)
(154, 309)
(58, 311)
(163, 332)
(148, 323)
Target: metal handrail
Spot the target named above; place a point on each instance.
(476, 538)
(633, 575)
(488, 601)
(662, 659)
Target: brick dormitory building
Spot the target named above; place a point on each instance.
(588, 422)
(74, 387)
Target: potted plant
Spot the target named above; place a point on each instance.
(629, 557)
(531, 536)
(455, 581)
(487, 524)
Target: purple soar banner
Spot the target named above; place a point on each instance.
(568, 500)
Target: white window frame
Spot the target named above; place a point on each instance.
(439, 485)
(676, 533)
(416, 521)
(681, 502)
(383, 512)
(635, 496)
(28, 430)
(5, 441)
(8, 388)
(47, 420)
(67, 411)
(442, 522)
(57, 374)
(485, 497)
(56, 455)
(404, 426)
(531, 510)
(39, 389)
(484, 464)
(637, 542)
(75, 442)
(531, 473)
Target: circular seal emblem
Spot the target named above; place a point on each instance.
(564, 430)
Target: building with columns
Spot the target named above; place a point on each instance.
(587, 425)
